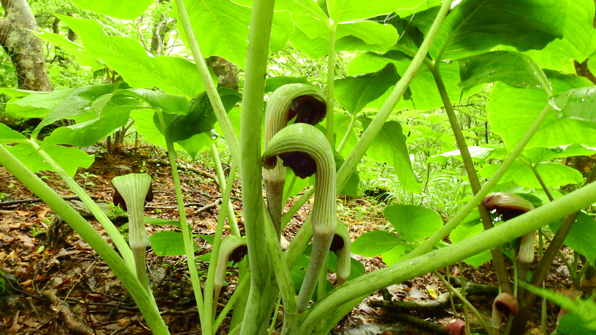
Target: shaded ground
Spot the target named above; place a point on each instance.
(52, 270)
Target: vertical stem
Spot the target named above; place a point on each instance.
(344, 140)
(209, 283)
(222, 181)
(260, 300)
(497, 255)
(186, 234)
(330, 84)
(544, 187)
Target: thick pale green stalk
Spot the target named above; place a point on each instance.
(420, 265)
(262, 293)
(100, 215)
(307, 139)
(496, 254)
(486, 188)
(214, 98)
(142, 298)
(222, 181)
(214, 263)
(134, 188)
(330, 83)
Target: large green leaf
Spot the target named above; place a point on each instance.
(467, 229)
(424, 92)
(90, 132)
(70, 159)
(341, 124)
(553, 175)
(413, 223)
(355, 92)
(172, 104)
(476, 26)
(84, 102)
(375, 242)
(128, 57)
(37, 104)
(81, 55)
(201, 116)
(511, 112)
(390, 146)
(221, 28)
(582, 236)
(347, 10)
(577, 104)
(513, 68)
(578, 40)
(395, 254)
(121, 9)
(8, 136)
(573, 324)
(169, 243)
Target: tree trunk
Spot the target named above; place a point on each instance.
(226, 72)
(23, 47)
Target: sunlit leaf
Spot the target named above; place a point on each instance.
(582, 236)
(578, 104)
(375, 242)
(121, 9)
(413, 222)
(8, 136)
(70, 159)
(169, 243)
(81, 55)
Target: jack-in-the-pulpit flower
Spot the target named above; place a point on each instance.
(307, 104)
(134, 189)
(232, 249)
(341, 245)
(298, 145)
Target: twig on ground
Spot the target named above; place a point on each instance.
(70, 321)
(27, 201)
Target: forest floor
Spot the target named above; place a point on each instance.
(59, 285)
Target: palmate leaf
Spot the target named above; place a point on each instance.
(70, 159)
(81, 55)
(201, 117)
(355, 92)
(375, 242)
(524, 105)
(424, 92)
(553, 175)
(8, 136)
(581, 237)
(121, 9)
(512, 68)
(476, 26)
(37, 104)
(128, 57)
(82, 104)
(221, 28)
(390, 146)
(413, 223)
(578, 42)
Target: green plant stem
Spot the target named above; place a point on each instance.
(274, 319)
(296, 206)
(222, 181)
(344, 140)
(261, 299)
(486, 188)
(330, 84)
(100, 215)
(322, 285)
(209, 283)
(425, 263)
(543, 311)
(142, 298)
(214, 98)
(542, 184)
(240, 289)
(542, 269)
(480, 317)
(497, 255)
